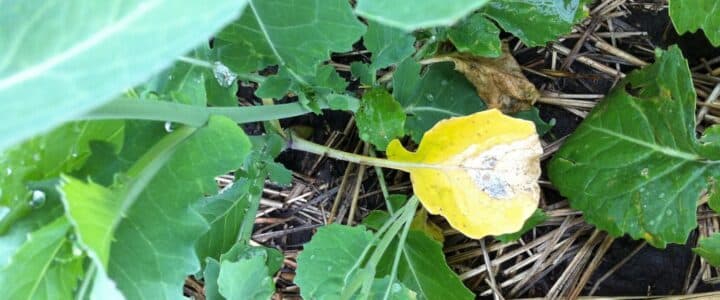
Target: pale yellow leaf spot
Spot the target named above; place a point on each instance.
(479, 171)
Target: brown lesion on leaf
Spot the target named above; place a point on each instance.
(499, 81)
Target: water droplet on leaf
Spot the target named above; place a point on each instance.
(644, 172)
(169, 127)
(8, 171)
(396, 288)
(223, 75)
(37, 199)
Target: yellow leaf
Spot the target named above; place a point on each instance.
(421, 223)
(480, 172)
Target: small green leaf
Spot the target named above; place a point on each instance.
(476, 35)
(689, 16)
(423, 269)
(210, 276)
(375, 219)
(279, 174)
(421, 14)
(343, 102)
(323, 266)
(634, 165)
(709, 249)
(293, 34)
(362, 71)
(533, 114)
(538, 217)
(274, 86)
(388, 45)
(104, 47)
(245, 279)
(441, 93)
(536, 22)
(380, 118)
(44, 267)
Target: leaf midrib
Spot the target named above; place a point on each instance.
(653, 147)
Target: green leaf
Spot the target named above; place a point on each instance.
(536, 22)
(709, 249)
(323, 266)
(294, 34)
(634, 165)
(388, 45)
(343, 102)
(104, 47)
(274, 86)
(423, 269)
(538, 217)
(421, 14)
(210, 276)
(398, 291)
(272, 257)
(380, 118)
(362, 71)
(441, 93)
(153, 249)
(225, 213)
(45, 267)
(245, 279)
(476, 35)
(689, 16)
(533, 114)
(375, 219)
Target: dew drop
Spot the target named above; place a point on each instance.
(444, 82)
(669, 212)
(37, 199)
(329, 268)
(4, 211)
(662, 195)
(223, 75)
(396, 288)
(430, 97)
(364, 136)
(36, 157)
(76, 251)
(8, 171)
(312, 256)
(644, 172)
(169, 127)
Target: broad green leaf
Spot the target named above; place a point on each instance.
(245, 279)
(479, 171)
(538, 217)
(388, 45)
(45, 267)
(297, 35)
(153, 248)
(375, 219)
(324, 266)
(709, 249)
(421, 14)
(63, 150)
(380, 118)
(385, 289)
(536, 22)
(104, 48)
(274, 87)
(423, 269)
(689, 16)
(272, 257)
(476, 35)
(343, 102)
(441, 93)
(634, 165)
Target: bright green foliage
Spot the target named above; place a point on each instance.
(536, 22)
(297, 35)
(537, 218)
(398, 291)
(533, 114)
(439, 94)
(375, 219)
(75, 66)
(421, 14)
(142, 267)
(634, 165)
(689, 16)
(274, 86)
(709, 249)
(380, 118)
(388, 45)
(363, 72)
(44, 267)
(245, 279)
(342, 102)
(423, 269)
(476, 35)
(325, 265)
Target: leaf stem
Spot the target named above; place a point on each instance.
(298, 143)
(191, 115)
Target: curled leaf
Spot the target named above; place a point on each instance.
(499, 81)
(479, 171)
